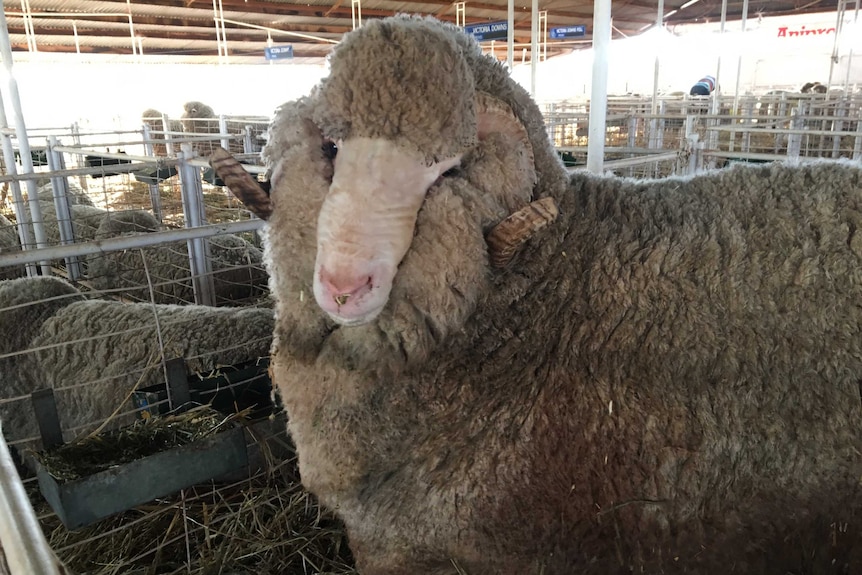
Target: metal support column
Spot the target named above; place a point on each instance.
(59, 188)
(659, 24)
(18, 205)
(193, 211)
(155, 197)
(739, 60)
(534, 46)
(510, 41)
(222, 128)
(23, 142)
(356, 13)
(599, 91)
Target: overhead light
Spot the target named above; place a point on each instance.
(689, 3)
(671, 13)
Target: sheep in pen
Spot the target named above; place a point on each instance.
(492, 366)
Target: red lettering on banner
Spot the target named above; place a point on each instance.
(785, 32)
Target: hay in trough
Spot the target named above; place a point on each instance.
(143, 438)
(266, 524)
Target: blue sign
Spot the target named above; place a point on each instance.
(488, 31)
(569, 32)
(279, 52)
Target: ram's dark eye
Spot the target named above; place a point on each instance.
(330, 150)
(451, 172)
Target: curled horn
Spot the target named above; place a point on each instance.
(240, 183)
(508, 236)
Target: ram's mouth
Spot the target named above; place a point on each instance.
(504, 239)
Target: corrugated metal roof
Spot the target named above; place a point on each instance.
(188, 27)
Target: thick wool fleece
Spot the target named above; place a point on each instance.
(25, 303)
(94, 353)
(9, 243)
(378, 91)
(670, 378)
(666, 380)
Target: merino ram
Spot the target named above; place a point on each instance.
(664, 379)
(93, 353)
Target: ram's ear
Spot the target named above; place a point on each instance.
(249, 191)
(494, 116)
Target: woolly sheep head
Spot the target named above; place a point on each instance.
(384, 183)
(197, 110)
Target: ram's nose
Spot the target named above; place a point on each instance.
(340, 290)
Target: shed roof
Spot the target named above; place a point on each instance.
(188, 27)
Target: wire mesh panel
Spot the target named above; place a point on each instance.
(105, 361)
(111, 194)
(750, 128)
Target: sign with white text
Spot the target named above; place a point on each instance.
(279, 52)
(488, 31)
(569, 32)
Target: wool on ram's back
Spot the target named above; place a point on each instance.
(665, 379)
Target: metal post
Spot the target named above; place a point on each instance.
(599, 92)
(155, 197)
(77, 40)
(690, 144)
(857, 145)
(21, 536)
(850, 52)
(715, 98)
(356, 13)
(739, 61)
(29, 30)
(510, 41)
(223, 29)
(534, 46)
(59, 188)
(248, 140)
(794, 140)
(838, 127)
(659, 23)
(842, 6)
(659, 135)
(543, 35)
(76, 139)
(193, 211)
(132, 29)
(747, 113)
(21, 215)
(23, 142)
(169, 137)
(222, 128)
(782, 110)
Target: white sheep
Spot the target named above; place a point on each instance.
(664, 379)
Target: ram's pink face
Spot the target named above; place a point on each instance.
(366, 225)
